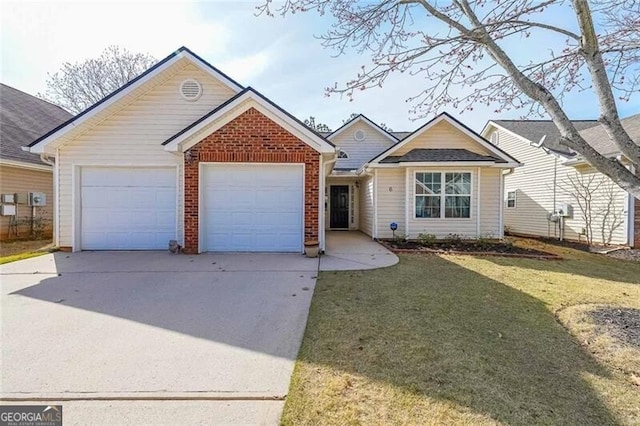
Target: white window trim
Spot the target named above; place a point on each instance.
(515, 199)
(443, 195)
(346, 154)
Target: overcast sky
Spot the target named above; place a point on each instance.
(279, 57)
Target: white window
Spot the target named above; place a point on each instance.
(511, 199)
(435, 200)
(342, 154)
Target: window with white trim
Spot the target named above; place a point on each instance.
(451, 200)
(511, 199)
(342, 154)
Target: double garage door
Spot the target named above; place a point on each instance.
(243, 208)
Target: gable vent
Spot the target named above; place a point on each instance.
(190, 89)
(359, 135)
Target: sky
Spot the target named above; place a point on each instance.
(280, 57)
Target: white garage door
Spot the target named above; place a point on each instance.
(252, 208)
(127, 208)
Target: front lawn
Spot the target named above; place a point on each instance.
(469, 340)
(23, 249)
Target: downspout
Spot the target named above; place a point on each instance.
(368, 173)
(504, 173)
(555, 183)
(323, 204)
(54, 164)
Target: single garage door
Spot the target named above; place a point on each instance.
(126, 208)
(249, 208)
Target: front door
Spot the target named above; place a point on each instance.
(339, 211)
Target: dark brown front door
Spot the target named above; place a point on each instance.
(339, 212)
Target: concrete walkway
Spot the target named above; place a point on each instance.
(353, 251)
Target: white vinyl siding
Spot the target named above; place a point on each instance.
(359, 152)
(534, 183)
(443, 135)
(133, 137)
(490, 202)
(366, 205)
(390, 201)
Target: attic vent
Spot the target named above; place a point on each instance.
(495, 138)
(359, 135)
(190, 90)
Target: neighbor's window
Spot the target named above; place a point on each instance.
(451, 200)
(511, 199)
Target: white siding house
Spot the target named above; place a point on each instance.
(546, 184)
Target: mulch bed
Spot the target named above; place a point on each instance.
(468, 248)
(621, 323)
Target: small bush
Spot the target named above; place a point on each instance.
(454, 238)
(426, 239)
(400, 238)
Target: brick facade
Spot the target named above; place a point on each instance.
(251, 138)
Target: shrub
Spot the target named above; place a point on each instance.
(426, 239)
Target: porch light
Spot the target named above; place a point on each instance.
(189, 157)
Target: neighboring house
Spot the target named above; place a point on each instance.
(538, 194)
(22, 119)
(184, 152)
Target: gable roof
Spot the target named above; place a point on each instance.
(535, 130)
(499, 153)
(437, 155)
(232, 106)
(364, 119)
(23, 118)
(118, 94)
(598, 138)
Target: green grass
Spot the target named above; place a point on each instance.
(463, 340)
(21, 256)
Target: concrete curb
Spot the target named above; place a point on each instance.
(142, 396)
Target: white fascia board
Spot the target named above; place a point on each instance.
(41, 146)
(218, 76)
(25, 165)
(365, 120)
(428, 126)
(444, 164)
(187, 140)
(503, 129)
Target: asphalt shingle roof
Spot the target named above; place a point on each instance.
(440, 155)
(24, 118)
(598, 138)
(534, 130)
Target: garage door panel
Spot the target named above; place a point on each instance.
(127, 208)
(252, 207)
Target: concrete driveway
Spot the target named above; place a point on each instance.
(150, 325)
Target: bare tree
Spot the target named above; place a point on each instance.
(611, 214)
(459, 47)
(75, 87)
(318, 127)
(582, 187)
